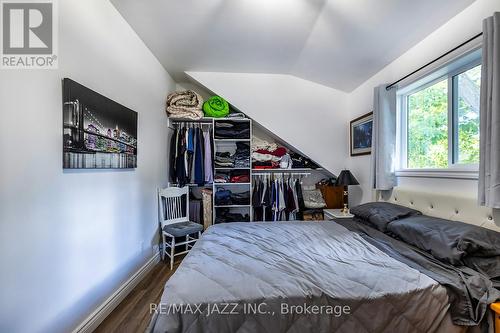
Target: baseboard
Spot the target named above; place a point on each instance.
(96, 317)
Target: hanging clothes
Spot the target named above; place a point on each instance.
(209, 175)
(188, 161)
(257, 200)
(195, 148)
(290, 202)
(190, 153)
(186, 170)
(282, 201)
(295, 200)
(199, 176)
(277, 199)
(172, 154)
(300, 199)
(266, 201)
(180, 162)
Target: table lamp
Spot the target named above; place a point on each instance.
(345, 179)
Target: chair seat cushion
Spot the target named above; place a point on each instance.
(182, 229)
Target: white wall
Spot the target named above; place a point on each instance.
(69, 239)
(463, 26)
(311, 117)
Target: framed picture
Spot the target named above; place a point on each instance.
(98, 133)
(361, 135)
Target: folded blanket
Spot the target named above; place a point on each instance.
(258, 144)
(216, 107)
(279, 152)
(265, 157)
(184, 104)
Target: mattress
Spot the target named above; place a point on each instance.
(296, 277)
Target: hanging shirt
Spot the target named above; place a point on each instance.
(180, 168)
(209, 175)
(195, 136)
(264, 200)
(295, 198)
(282, 205)
(190, 145)
(198, 159)
(186, 154)
(172, 153)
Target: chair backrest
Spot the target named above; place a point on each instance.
(170, 208)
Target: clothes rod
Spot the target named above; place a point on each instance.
(206, 121)
(282, 173)
(433, 61)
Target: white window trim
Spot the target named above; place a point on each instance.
(454, 170)
(438, 173)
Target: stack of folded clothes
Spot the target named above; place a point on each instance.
(232, 130)
(240, 176)
(225, 216)
(242, 198)
(299, 161)
(221, 177)
(267, 155)
(234, 176)
(224, 160)
(258, 143)
(224, 197)
(242, 155)
(265, 165)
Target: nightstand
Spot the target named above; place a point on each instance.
(331, 214)
(496, 309)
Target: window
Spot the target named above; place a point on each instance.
(428, 127)
(466, 116)
(439, 115)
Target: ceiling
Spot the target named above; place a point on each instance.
(338, 43)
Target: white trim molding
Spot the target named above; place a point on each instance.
(98, 316)
(438, 173)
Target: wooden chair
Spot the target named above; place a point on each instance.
(174, 221)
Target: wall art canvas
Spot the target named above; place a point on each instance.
(98, 133)
(361, 135)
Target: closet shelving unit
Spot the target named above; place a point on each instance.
(236, 187)
(219, 143)
(286, 170)
(239, 187)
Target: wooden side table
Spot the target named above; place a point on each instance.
(496, 309)
(331, 214)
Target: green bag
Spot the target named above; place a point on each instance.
(216, 107)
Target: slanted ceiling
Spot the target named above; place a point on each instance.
(338, 43)
(267, 100)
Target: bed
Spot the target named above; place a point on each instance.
(310, 277)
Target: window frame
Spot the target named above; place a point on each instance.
(454, 169)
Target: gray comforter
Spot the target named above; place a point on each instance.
(297, 277)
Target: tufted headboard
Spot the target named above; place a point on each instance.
(445, 206)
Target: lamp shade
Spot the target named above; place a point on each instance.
(346, 178)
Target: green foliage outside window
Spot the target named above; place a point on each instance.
(427, 145)
(427, 141)
(469, 84)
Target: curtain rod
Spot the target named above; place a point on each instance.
(433, 61)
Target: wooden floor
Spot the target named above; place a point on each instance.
(132, 314)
